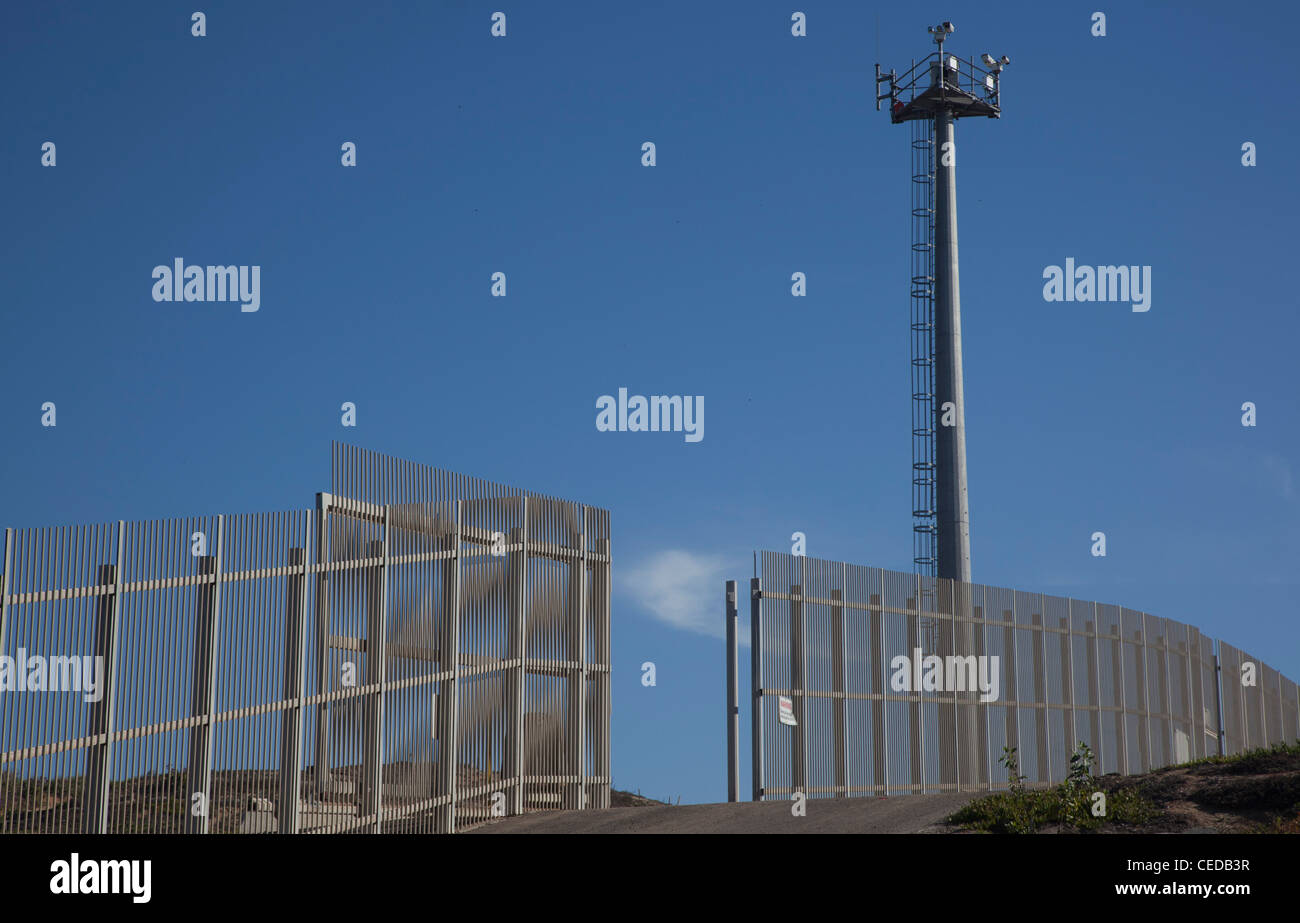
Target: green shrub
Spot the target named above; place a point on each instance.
(1070, 804)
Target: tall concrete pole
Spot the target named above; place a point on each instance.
(952, 513)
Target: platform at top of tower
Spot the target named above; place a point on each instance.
(960, 103)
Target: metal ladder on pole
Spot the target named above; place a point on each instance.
(924, 524)
(924, 518)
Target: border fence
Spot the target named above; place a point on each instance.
(420, 651)
(876, 682)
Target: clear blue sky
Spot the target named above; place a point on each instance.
(523, 155)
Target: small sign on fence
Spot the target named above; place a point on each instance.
(785, 710)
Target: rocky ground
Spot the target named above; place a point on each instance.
(1254, 793)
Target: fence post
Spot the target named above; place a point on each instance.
(1196, 691)
(1044, 751)
(4, 584)
(322, 641)
(376, 648)
(516, 678)
(601, 598)
(1263, 705)
(982, 775)
(295, 624)
(756, 682)
(1172, 719)
(1281, 713)
(1191, 697)
(798, 737)
(1069, 716)
(1218, 696)
(204, 685)
(733, 694)
(1093, 660)
(840, 704)
(1143, 679)
(449, 686)
(102, 721)
(1242, 711)
(948, 716)
(577, 673)
(914, 699)
(986, 728)
(1009, 651)
(7, 564)
(880, 711)
(1121, 694)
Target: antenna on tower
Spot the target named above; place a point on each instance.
(932, 95)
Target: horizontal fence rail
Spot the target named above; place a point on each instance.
(412, 656)
(876, 682)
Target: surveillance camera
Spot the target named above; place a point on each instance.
(988, 59)
(1005, 60)
(949, 27)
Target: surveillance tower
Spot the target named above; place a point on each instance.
(932, 95)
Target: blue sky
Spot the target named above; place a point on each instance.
(523, 155)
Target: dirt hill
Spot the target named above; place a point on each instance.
(1256, 792)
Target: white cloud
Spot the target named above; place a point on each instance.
(681, 589)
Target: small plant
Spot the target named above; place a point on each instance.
(1015, 781)
(1080, 766)
(1075, 792)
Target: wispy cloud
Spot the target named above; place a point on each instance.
(681, 588)
(1264, 471)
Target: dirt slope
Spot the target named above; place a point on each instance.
(904, 814)
(1238, 796)
(1253, 792)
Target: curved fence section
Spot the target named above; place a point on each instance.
(877, 682)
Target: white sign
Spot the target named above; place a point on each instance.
(785, 710)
